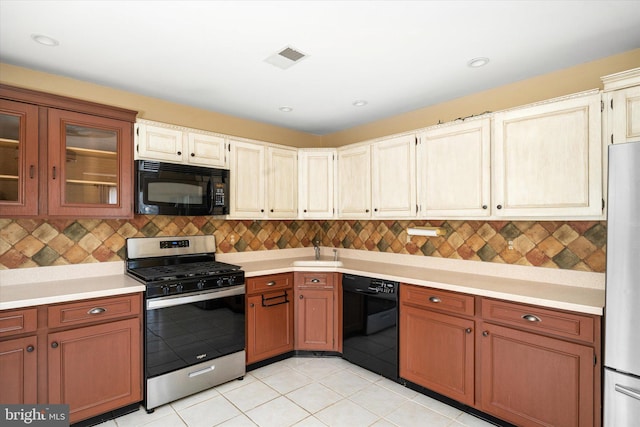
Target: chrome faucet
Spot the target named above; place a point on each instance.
(316, 248)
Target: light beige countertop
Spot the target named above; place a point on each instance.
(562, 289)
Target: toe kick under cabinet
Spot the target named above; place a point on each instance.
(525, 364)
(87, 354)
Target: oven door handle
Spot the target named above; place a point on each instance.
(171, 301)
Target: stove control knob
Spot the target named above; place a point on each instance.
(220, 281)
(232, 280)
(165, 290)
(179, 288)
(201, 284)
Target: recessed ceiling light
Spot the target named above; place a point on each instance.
(360, 103)
(478, 62)
(286, 109)
(45, 40)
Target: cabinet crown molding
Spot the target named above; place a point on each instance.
(621, 80)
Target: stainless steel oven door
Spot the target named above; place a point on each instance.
(186, 336)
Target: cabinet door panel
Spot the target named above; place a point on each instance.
(160, 143)
(354, 182)
(206, 150)
(626, 115)
(394, 178)
(437, 352)
(247, 180)
(314, 319)
(316, 184)
(548, 160)
(18, 371)
(283, 183)
(18, 158)
(531, 380)
(95, 369)
(269, 326)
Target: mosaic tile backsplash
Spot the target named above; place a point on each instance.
(575, 245)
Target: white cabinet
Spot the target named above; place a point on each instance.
(394, 177)
(548, 160)
(247, 177)
(622, 106)
(177, 144)
(354, 182)
(454, 173)
(264, 181)
(316, 188)
(282, 182)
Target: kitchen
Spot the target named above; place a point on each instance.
(41, 242)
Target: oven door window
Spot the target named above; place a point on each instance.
(183, 335)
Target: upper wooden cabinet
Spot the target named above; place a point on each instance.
(454, 173)
(316, 187)
(622, 107)
(177, 144)
(264, 180)
(548, 160)
(64, 157)
(394, 177)
(354, 181)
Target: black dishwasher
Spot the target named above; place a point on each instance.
(370, 324)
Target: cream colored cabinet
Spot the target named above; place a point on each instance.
(282, 180)
(548, 160)
(264, 180)
(622, 107)
(316, 187)
(247, 178)
(454, 174)
(177, 144)
(394, 177)
(354, 182)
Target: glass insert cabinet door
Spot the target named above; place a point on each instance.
(18, 158)
(87, 170)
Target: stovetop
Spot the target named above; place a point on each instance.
(173, 265)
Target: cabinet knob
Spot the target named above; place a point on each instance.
(375, 209)
(271, 210)
(179, 153)
(261, 210)
(485, 333)
(435, 300)
(193, 154)
(54, 344)
(484, 206)
(305, 211)
(367, 210)
(251, 305)
(30, 348)
(468, 330)
(499, 206)
(301, 297)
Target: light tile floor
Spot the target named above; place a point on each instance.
(304, 392)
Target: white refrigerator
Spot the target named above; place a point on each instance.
(622, 307)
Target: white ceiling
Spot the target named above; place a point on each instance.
(397, 55)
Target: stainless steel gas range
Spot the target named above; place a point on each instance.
(195, 319)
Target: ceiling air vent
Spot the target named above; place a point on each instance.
(286, 58)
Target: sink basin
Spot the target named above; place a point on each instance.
(316, 263)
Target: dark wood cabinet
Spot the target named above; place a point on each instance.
(270, 321)
(62, 157)
(18, 356)
(316, 312)
(437, 350)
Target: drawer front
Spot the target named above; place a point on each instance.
(269, 283)
(22, 321)
(541, 320)
(78, 313)
(314, 280)
(435, 299)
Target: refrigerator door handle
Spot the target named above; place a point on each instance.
(633, 393)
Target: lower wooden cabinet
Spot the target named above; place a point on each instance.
(270, 319)
(533, 380)
(437, 351)
(18, 371)
(87, 354)
(95, 369)
(316, 313)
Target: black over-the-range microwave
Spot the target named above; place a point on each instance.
(172, 189)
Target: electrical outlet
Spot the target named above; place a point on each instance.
(510, 243)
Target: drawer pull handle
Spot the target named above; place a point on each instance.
(30, 348)
(202, 371)
(271, 283)
(468, 330)
(54, 344)
(531, 318)
(97, 310)
(435, 300)
(631, 392)
(315, 280)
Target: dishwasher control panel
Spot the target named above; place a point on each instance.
(383, 286)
